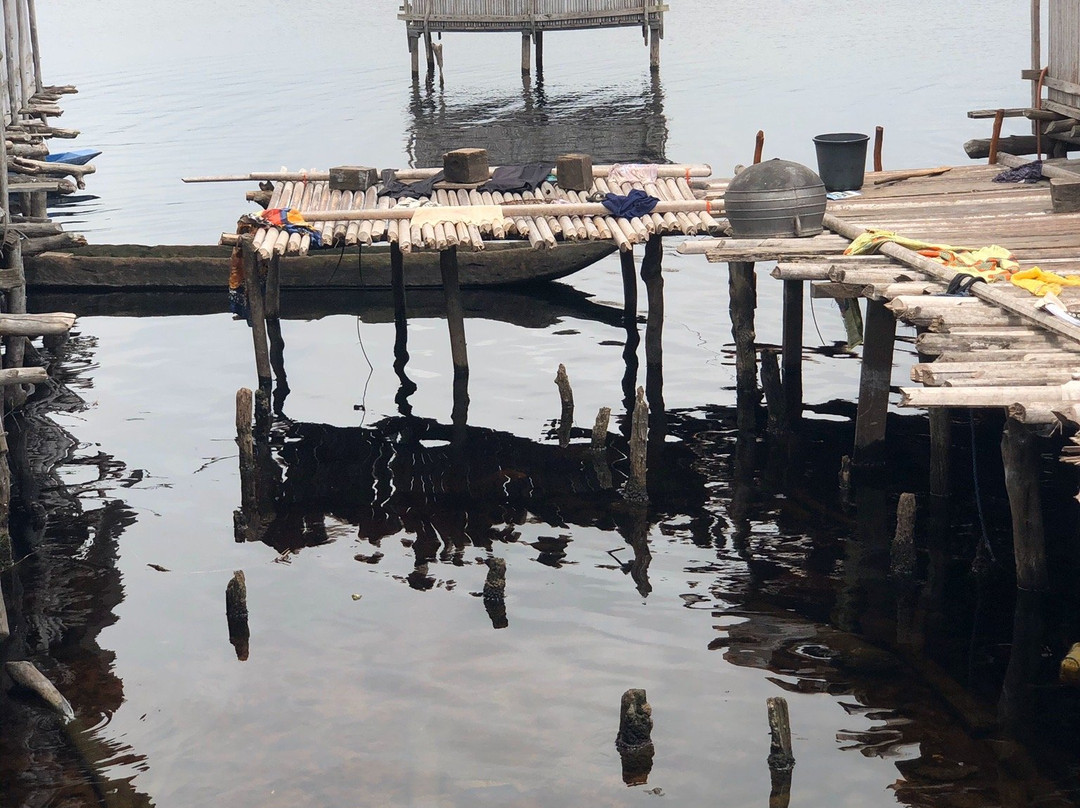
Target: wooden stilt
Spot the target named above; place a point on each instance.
(254, 288)
(654, 47)
(539, 39)
(15, 346)
(455, 311)
(629, 285)
(236, 614)
(636, 491)
(32, 12)
(526, 52)
(39, 205)
(781, 759)
(874, 380)
(414, 54)
(401, 330)
(773, 389)
(742, 300)
(429, 52)
(902, 551)
(1021, 459)
(652, 276)
(566, 398)
(940, 445)
(792, 349)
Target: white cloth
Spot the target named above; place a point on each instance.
(633, 172)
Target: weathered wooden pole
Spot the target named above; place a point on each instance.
(526, 52)
(32, 13)
(902, 552)
(538, 38)
(654, 47)
(26, 675)
(1036, 55)
(772, 386)
(495, 592)
(634, 740)
(940, 448)
(652, 276)
(430, 52)
(414, 54)
(874, 380)
(242, 517)
(455, 310)
(236, 613)
(629, 285)
(1021, 459)
(742, 301)
(253, 286)
(599, 448)
(273, 331)
(566, 398)
(636, 491)
(11, 34)
(781, 759)
(792, 350)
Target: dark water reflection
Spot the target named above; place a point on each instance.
(67, 521)
(609, 122)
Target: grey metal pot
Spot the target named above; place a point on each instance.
(775, 199)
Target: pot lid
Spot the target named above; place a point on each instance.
(775, 175)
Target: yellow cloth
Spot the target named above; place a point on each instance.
(1039, 281)
(478, 215)
(871, 241)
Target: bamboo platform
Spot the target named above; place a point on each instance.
(545, 217)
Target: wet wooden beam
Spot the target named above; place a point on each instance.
(875, 376)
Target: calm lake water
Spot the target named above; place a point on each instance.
(375, 674)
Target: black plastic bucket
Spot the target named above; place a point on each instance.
(841, 159)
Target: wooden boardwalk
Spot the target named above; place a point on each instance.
(532, 18)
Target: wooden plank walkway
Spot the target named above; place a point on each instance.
(977, 352)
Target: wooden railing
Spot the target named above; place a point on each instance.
(515, 13)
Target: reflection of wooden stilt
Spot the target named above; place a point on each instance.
(1021, 459)
(742, 291)
(630, 302)
(651, 274)
(874, 380)
(792, 354)
(1016, 706)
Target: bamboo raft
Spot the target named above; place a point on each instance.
(545, 217)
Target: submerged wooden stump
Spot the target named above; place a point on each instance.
(236, 612)
(634, 741)
(495, 592)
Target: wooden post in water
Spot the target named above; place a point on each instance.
(1021, 459)
(414, 54)
(636, 491)
(566, 397)
(429, 51)
(15, 346)
(654, 47)
(940, 446)
(538, 37)
(902, 552)
(874, 379)
(652, 275)
(599, 448)
(781, 759)
(526, 52)
(257, 311)
(273, 331)
(236, 614)
(742, 300)
(401, 330)
(494, 592)
(792, 348)
(629, 285)
(634, 740)
(455, 310)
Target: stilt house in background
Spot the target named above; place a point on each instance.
(532, 18)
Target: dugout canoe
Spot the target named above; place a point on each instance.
(129, 267)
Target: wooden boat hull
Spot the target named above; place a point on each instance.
(133, 266)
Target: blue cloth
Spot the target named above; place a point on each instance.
(634, 204)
